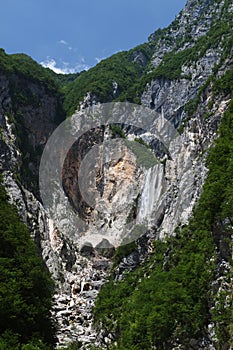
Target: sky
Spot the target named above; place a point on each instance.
(72, 35)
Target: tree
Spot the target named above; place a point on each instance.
(26, 287)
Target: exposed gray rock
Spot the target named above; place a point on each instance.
(193, 22)
(140, 58)
(160, 198)
(87, 249)
(170, 96)
(105, 248)
(101, 265)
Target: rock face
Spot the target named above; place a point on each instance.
(161, 197)
(73, 304)
(192, 23)
(77, 278)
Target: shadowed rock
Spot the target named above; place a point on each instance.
(87, 249)
(105, 248)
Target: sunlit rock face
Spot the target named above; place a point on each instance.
(119, 193)
(104, 193)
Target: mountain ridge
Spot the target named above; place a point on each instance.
(183, 73)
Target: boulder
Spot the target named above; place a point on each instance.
(105, 248)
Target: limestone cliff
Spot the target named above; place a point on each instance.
(177, 77)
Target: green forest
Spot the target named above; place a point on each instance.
(26, 287)
(169, 297)
(174, 295)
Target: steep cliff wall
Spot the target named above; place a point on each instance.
(177, 76)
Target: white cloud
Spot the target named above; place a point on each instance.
(65, 66)
(99, 59)
(52, 64)
(67, 45)
(63, 42)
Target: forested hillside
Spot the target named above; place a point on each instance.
(172, 297)
(26, 287)
(169, 289)
(132, 70)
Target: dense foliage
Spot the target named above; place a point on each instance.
(33, 91)
(132, 77)
(25, 66)
(25, 286)
(168, 299)
(161, 302)
(100, 80)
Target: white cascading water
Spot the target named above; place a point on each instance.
(151, 194)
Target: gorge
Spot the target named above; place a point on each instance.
(149, 263)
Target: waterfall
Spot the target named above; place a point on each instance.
(151, 193)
